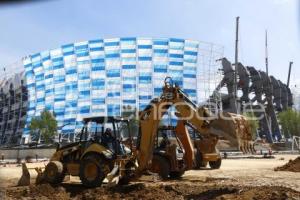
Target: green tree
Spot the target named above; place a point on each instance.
(253, 123)
(290, 122)
(45, 125)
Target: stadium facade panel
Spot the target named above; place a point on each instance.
(13, 109)
(105, 77)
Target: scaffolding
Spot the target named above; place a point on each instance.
(209, 75)
(296, 94)
(11, 70)
(13, 104)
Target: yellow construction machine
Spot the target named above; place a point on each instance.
(106, 155)
(168, 159)
(93, 158)
(198, 153)
(200, 147)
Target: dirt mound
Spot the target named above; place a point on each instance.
(292, 166)
(178, 190)
(43, 191)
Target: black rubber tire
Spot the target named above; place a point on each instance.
(164, 166)
(54, 172)
(176, 175)
(96, 160)
(215, 164)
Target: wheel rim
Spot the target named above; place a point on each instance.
(51, 171)
(91, 171)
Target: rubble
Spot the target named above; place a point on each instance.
(172, 191)
(292, 166)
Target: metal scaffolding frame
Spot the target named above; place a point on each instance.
(13, 104)
(296, 93)
(209, 75)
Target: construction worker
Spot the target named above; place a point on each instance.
(107, 139)
(165, 141)
(110, 142)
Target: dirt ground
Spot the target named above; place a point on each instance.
(292, 166)
(160, 190)
(238, 178)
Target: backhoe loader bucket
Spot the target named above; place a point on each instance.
(234, 128)
(25, 178)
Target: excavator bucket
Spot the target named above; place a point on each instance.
(25, 178)
(234, 128)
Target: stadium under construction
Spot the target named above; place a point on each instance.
(106, 77)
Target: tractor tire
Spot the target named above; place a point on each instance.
(176, 174)
(199, 161)
(161, 166)
(91, 171)
(215, 164)
(54, 172)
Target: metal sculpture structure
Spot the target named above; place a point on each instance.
(276, 93)
(268, 95)
(284, 95)
(258, 91)
(269, 107)
(244, 82)
(228, 81)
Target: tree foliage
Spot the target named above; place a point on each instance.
(253, 123)
(45, 125)
(290, 122)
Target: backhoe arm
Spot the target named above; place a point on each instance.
(233, 127)
(149, 120)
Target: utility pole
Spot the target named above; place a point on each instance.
(289, 75)
(236, 58)
(266, 54)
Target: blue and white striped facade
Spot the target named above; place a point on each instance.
(102, 77)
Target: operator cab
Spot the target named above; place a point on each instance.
(168, 156)
(166, 138)
(111, 132)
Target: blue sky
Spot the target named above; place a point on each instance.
(32, 27)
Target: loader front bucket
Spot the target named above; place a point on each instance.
(25, 178)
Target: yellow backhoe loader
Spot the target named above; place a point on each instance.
(205, 129)
(168, 159)
(94, 158)
(106, 156)
(206, 126)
